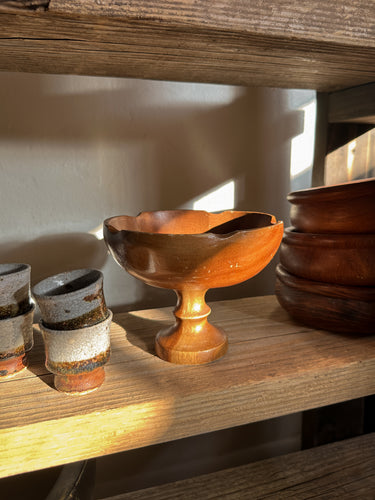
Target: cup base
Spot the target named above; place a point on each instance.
(12, 366)
(80, 384)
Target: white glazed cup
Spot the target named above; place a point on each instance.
(14, 289)
(16, 339)
(77, 357)
(71, 300)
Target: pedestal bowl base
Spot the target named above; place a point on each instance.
(187, 343)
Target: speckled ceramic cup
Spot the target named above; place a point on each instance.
(14, 289)
(16, 339)
(71, 300)
(77, 357)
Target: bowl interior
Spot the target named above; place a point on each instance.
(6, 269)
(189, 222)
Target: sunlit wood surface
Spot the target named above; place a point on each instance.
(273, 367)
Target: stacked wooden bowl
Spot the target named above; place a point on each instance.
(326, 275)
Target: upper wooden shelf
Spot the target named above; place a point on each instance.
(305, 44)
(354, 105)
(273, 367)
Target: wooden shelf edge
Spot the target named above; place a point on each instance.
(277, 19)
(344, 469)
(274, 367)
(229, 43)
(354, 105)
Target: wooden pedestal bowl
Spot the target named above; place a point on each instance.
(341, 208)
(337, 308)
(190, 252)
(345, 259)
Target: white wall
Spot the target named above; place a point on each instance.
(75, 150)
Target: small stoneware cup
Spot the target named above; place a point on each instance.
(14, 289)
(16, 339)
(77, 357)
(71, 300)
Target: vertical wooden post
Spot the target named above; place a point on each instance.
(321, 138)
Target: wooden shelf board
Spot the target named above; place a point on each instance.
(274, 367)
(275, 44)
(354, 105)
(345, 469)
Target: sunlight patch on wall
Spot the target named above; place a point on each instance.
(350, 160)
(97, 232)
(221, 198)
(302, 146)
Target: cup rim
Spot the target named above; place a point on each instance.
(14, 269)
(18, 317)
(48, 288)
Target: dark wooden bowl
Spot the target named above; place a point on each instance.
(341, 208)
(345, 259)
(336, 308)
(191, 251)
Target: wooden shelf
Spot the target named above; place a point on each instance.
(274, 367)
(344, 469)
(355, 105)
(306, 44)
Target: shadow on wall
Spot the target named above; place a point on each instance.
(56, 253)
(116, 146)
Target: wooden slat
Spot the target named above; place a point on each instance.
(321, 136)
(353, 105)
(274, 367)
(23, 4)
(343, 470)
(277, 44)
(309, 20)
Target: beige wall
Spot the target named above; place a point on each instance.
(75, 150)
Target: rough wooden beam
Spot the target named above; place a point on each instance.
(6, 5)
(353, 105)
(277, 44)
(339, 22)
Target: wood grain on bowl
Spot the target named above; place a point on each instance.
(345, 259)
(337, 308)
(341, 208)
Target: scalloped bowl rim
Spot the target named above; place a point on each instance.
(273, 222)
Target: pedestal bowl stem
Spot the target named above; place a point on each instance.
(192, 339)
